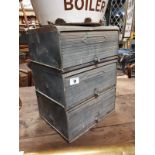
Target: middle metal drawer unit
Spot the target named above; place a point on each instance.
(74, 71)
(70, 89)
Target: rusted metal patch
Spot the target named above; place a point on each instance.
(87, 22)
(60, 21)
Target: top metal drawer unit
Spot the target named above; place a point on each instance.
(64, 47)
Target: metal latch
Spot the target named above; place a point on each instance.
(84, 40)
(96, 93)
(96, 60)
(97, 117)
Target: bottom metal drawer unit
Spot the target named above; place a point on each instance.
(74, 122)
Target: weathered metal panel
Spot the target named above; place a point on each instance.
(76, 121)
(53, 114)
(49, 81)
(86, 115)
(90, 83)
(93, 45)
(59, 87)
(74, 70)
(62, 48)
(44, 47)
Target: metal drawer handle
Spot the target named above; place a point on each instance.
(96, 93)
(96, 60)
(84, 41)
(96, 120)
(97, 117)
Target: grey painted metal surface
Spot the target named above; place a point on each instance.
(74, 70)
(63, 47)
(70, 89)
(76, 121)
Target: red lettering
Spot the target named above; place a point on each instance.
(102, 6)
(68, 4)
(76, 4)
(97, 5)
(86, 6)
(90, 6)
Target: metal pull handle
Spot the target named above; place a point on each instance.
(84, 40)
(97, 117)
(96, 93)
(96, 60)
(96, 120)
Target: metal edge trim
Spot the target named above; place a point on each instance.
(90, 67)
(50, 98)
(42, 64)
(70, 109)
(76, 28)
(53, 127)
(66, 70)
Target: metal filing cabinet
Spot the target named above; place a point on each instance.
(74, 70)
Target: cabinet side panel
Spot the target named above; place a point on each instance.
(44, 46)
(53, 114)
(49, 82)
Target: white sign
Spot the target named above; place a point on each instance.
(74, 81)
(129, 18)
(69, 11)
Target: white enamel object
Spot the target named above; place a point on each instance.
(69, 11)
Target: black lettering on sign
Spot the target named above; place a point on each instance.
(68, 4)
(97, 5)
(102, 6)
(79, 7)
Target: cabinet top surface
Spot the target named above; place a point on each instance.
(75, 28)
(86, 28)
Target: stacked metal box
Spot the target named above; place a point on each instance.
(74, 70)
